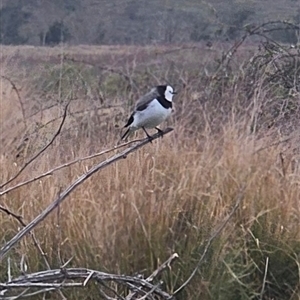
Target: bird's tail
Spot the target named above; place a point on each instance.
(125, 135)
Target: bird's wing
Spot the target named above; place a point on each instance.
(143, 102)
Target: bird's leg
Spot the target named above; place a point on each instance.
(149, 136)
(159, 131)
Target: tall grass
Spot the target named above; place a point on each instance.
(168, 197)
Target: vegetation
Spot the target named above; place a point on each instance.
(236, 136)
(138, 21)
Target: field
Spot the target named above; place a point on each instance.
(235, 142)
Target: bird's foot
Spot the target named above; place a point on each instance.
(160, 132)
(150, 138)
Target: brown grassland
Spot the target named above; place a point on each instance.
(169, 196)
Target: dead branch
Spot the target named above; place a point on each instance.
(166, 264)
(41, 151)
(259, 30)
(212, 237)
(79, 277)
(78, 160)
(25, 295)
(8, 246)
(10, 213)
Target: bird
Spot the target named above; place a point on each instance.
(150, 110)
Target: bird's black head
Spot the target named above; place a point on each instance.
(161, 89)
(166, 91)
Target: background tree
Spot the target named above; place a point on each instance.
(139, 21)
(12, 17)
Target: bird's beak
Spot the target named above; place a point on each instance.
(174, 93)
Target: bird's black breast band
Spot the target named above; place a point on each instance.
(164, 102)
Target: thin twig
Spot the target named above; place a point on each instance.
(213, 236)
(8, 246)
(35, 242)
(10, 213)
(88, 278)
(78, 160)
(167, 263)
(41, 151)
(21, 295)
(264, 280)
(67, 262)
(36, 284)
(24, 295)
(282, 164)
(150, 292)
(9, 277)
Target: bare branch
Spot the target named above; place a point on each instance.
(41, 151)
(7, 247)
(75, 277)
(24, 295)
(166, 264)
(18, 296)
(10, 213)
(88, 278)
(78, 160)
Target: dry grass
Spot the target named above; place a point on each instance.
(168, 197)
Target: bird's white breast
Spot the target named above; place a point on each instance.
(152, 116)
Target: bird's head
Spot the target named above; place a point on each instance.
(167, 91)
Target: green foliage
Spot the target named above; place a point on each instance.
(282, 270)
